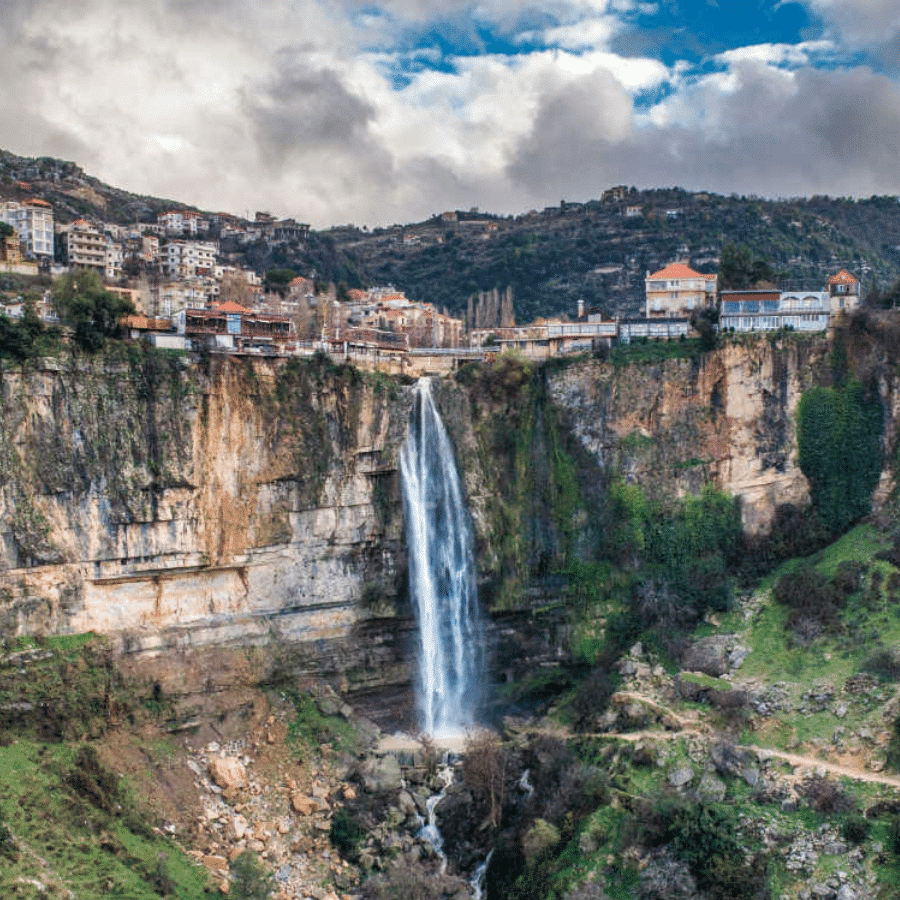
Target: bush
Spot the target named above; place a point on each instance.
(592, 697)
(539, 840)
(411, 881)
(815, 603)
(250, 880)
(883, 664)
(855, 829)
(96, 784)
(827, 797)
(703, 835)
(346, 834)
(893, 835)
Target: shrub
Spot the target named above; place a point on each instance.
(855, 829)
(250, 880)
(703, 835)
(827, 797)
(411, 881)
(883, 664)
(814, 601)
(346, 834)
(893, 835)
(592, 697)
(539, 840)
(849, 577)
(96, 784)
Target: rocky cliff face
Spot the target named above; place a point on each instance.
(192, 509)
(174, 505)
(727, 420)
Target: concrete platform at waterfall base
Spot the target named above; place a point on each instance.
(400, 741)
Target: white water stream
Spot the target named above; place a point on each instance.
(441, 574)
(442, 591)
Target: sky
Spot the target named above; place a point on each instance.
(389, 111)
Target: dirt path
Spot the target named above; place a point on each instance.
(679, 725)
(812, 762)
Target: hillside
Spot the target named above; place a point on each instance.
(598, 251)
(74, 194)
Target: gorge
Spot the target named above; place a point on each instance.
(243, 535)
(192, 509)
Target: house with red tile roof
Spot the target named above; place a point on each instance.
(675, 291)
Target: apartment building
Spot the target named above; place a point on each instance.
(84, 246)
(187, 259)
(33, 221)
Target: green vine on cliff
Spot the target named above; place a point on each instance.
(839, 451)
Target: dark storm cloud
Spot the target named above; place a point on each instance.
(827, 132)
(302, 111)
(294, 105)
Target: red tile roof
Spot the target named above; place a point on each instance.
(843, 277)
(229, 307)
(678, 270)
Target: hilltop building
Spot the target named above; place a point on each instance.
(677, 290)
(33, 221)
(84, 246)
(769, 310)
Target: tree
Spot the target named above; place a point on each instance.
(739, 271)
(235, 289)
(250, 879)
(705, 322)
(27, 337)
(277, 280)
(93, 312)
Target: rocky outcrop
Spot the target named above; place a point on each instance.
(727, 420)
(176, 505)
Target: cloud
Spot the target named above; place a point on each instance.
(340, 110)
(752, 130)
(868, 25)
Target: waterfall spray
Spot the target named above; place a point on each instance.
(441, 574)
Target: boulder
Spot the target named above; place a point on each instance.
(303, 805)
(227, 772)
(709, 655)
(382, 774)
(681, 776)
(711, 789)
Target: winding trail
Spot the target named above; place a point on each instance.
(679, 726)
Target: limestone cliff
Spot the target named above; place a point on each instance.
(183, 505)
(727, 420)
(178, 504)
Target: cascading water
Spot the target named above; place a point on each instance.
(441, 574)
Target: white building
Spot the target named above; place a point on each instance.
(182, 222)
(115, 256)
(33, 221)
(768, 310)
(187, 259)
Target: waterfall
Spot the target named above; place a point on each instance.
(441, 574)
